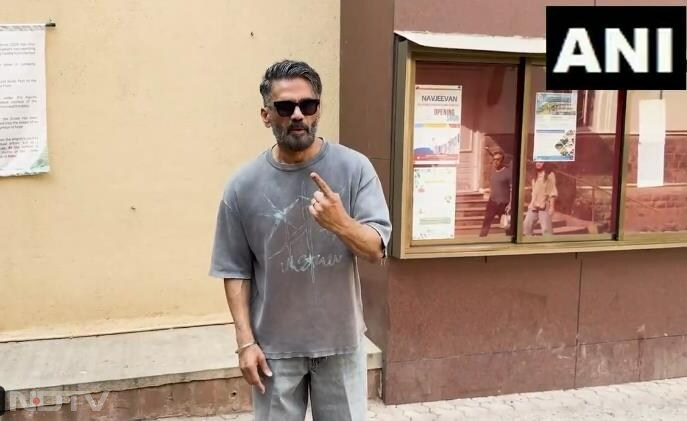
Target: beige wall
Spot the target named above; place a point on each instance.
(151, 105)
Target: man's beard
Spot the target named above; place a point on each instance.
(294, 142)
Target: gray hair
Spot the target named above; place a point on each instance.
(289, 69)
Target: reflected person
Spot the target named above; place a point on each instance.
(500, 186)
(543, 203)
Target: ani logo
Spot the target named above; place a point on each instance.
(604, 47)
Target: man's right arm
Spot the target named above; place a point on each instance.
(238, 298)
(251, 358)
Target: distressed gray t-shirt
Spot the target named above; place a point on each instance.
(305, 290)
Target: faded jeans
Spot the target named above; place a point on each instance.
(337, 386)
(544, 218)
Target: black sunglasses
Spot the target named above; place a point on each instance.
(307, 106)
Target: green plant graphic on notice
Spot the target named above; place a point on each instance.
(566, 145)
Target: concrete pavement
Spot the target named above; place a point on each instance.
(664, 400)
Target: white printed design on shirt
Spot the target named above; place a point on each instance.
(294, 228)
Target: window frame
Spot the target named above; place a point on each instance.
(679, 237)
(527, 117)
(403, 247)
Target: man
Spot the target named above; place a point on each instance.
(290, 227)
(500, 192)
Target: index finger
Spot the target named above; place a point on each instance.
(324, 187)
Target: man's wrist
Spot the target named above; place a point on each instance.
(244, 334)
(345, 226)
(245, 346)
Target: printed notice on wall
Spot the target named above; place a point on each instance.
(436, 133)
(434, 202)
(23, 127)
(652, 143)
(555, 126)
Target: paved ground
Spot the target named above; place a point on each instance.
(649, 401)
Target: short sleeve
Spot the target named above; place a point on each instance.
(231, 254)
(370, 207)
(551, 189)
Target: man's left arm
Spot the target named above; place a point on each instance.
(367, 231)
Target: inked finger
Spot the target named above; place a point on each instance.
(324, 187)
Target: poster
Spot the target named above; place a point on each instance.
(23, 127)
(652, 143)
(436, 133)
(434, 202)
(555, 126)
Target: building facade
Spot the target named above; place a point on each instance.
(595, 298)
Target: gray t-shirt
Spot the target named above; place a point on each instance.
(305, 290)
(501, 185)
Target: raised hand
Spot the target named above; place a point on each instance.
(326, 207)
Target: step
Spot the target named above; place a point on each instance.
(173, 372)
(495, 228)
(477, 220)
(471, 218)
(476, 227)
(557, 223)
(470, 196)
(565, 230)
(471, 203)
(462, 221)
(470, 212)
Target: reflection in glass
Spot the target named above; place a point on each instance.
(500, 191)
(484, 173)
(542, 203)
(661, 208)
(571, 165)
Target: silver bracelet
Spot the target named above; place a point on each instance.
(248, 345)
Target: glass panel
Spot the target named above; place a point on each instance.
(487, 144)
(656, 196)
(571, 164)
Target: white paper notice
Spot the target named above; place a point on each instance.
(23, 127)
(436, 133)
(434, 202)
(555, 126)
(652, 142)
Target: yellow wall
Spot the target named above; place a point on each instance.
(151, 105)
